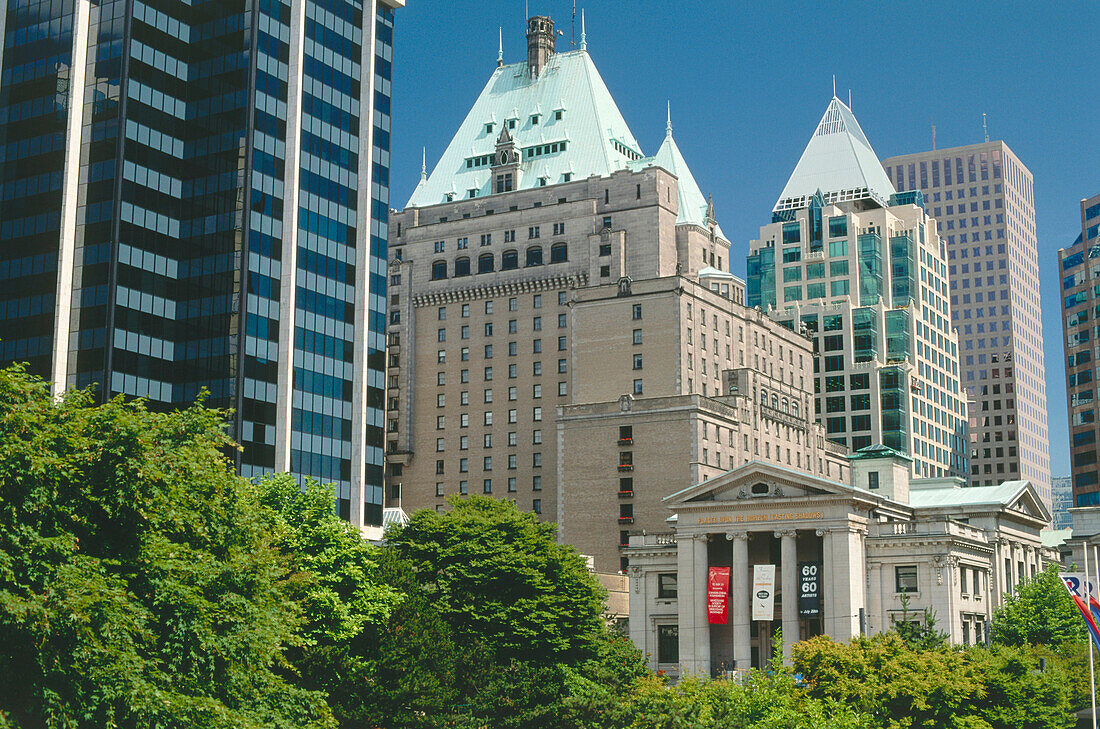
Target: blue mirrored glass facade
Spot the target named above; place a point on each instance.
(193, 196)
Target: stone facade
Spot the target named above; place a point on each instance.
(881, 558)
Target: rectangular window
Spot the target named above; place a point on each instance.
(905, 578)
(666, 586)
(668, 644)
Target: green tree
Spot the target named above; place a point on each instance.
(900, 686)
(1018, 694)
(766, 701)
(139, 585)
(500, 578)
(1039, 612)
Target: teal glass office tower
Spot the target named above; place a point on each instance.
(194, 196)
(861, 269)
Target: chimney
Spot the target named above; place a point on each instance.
(540, 43)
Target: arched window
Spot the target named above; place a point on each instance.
(534, 256)
(764, 397)
(794, 408)
(559, 253)
(439, 270)
(485, 263)
(462, 266)
(786, 406)
(775, 402)
(509, 260)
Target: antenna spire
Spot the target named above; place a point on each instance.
(584, 43)
(849, 99)
(985, 128)
(500, 46)
(423, 164)
(933, 137)
(668, 123)
(834, 85)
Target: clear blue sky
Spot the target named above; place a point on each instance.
(749, 81)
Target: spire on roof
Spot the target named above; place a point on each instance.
(693, 208)
(839, 162)
(584, 43)
(423, 164)
(500, 46)
(668, 122)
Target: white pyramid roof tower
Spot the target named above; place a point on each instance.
(590, 137)
(838, 161)
(692, 205)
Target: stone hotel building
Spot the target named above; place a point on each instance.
(562, 330)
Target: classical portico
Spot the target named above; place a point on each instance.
(765, 514)
(873, 551)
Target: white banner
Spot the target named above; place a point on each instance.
(763, 592)
(1074, 582)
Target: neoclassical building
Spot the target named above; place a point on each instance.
(883, 547)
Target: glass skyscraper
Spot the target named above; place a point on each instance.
(194, 196)
(862, 269)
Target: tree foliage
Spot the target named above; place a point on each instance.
(139, 585)
(902, 686)
(1040, 612)
(500, 578)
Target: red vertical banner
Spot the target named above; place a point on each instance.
(718, 583)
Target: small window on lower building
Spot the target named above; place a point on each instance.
(666, 586)
(536, 506)
(872, 480)
(905, 577)
(668, 644)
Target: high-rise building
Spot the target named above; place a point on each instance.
(1080, 268)
(862, 268)
(562, 329)
(1061, 491)
(981, 195)
(194, 196)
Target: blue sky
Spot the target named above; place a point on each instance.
(748, 82)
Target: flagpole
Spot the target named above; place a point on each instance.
(1092, 671)
(1096, 566)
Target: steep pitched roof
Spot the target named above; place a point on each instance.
(596, 139)
(692, 204)
(838, 161)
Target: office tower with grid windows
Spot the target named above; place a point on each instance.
(562, 329)
(1080, 270)
(194, 196)
(981, 195)
(863, 270)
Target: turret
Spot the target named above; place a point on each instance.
(540, 43)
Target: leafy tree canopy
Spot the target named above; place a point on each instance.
(500, 577)
(1039, 612)
(139, 585)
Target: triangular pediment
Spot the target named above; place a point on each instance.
(758, 481)
(1028, 502)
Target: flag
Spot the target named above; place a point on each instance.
(1090, 610)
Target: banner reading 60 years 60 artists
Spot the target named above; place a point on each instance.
(718, 582)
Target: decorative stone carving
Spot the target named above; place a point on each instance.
(626, 402)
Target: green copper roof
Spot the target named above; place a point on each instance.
(839, 161)
(692, 204)
(877, 450)
(591, 138)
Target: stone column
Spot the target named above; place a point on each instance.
(702, 623)
(876, 618)
(740, 599)
(685, 599)
(789, 583)
(828, 609)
